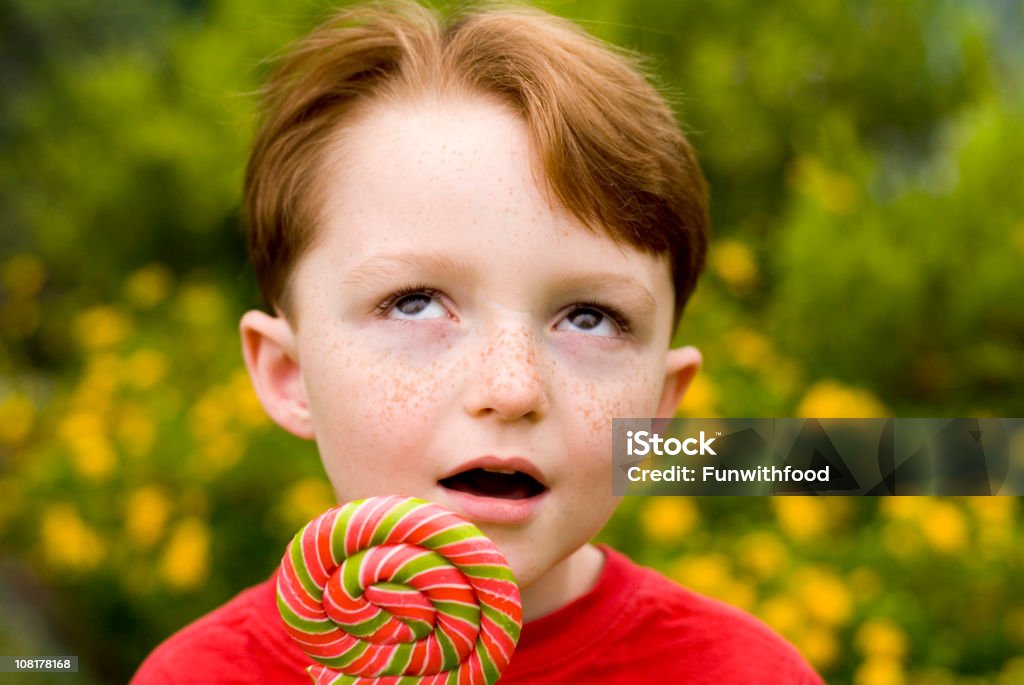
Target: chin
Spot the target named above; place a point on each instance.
(527, 569)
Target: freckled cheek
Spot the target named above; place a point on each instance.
(626, 391)
(378, 392)
(608, 388)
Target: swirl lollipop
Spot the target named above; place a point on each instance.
(398, 591)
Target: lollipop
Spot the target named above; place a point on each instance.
(398, 591)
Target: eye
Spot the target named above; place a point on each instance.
(413, 304)
(590, 319)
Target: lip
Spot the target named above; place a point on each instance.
(492, 509)
(495, 509)
(494, 463)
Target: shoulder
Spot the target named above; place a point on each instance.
(733, 646)
(240, 642)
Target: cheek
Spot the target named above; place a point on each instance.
(409, 370)
(630, 388)
(625, 387)
(368, 390)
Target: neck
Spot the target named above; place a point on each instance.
(566, 582)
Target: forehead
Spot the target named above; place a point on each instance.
(430, 157)
(457, 177)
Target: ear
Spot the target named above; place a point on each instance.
(268, 345)
(681, 366)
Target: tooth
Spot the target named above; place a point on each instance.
(507, 472)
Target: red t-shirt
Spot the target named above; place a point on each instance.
(634, 626)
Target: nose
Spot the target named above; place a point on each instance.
(508, 381)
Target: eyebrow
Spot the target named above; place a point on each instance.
(633, 295)
(382, 268)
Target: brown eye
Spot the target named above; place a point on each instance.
(586, 319)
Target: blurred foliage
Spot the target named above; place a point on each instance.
(867, 260)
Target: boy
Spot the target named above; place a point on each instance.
(477, 238)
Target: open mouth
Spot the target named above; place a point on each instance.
(497, 483)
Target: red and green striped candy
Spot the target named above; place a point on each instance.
(399, 591)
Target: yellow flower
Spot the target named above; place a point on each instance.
(749, 348)
(707, 574)
(904, 508)
(880, 671)
(700, 399)
(880, 637)
(185, 559)
(763, 553)
(782, 613)
(148, 286)
(667, 520)
(734, 263)
(801, 518)
(837, 192)
(209, 415)
(93, 457)
(100, 327)
(68, 543)
(23, 275)
(830, 399)
(78, 424)
(247, 405)
(146, 511)
(98, 384)
(820, 646)
(824, 596)
(17, 416)
(944, 528)
(304, 500)
(220, 452)
(938, 522)
(145, 368)
(135, 430)
(993, 511)
(711, 574)
(201, 305)
(738, 593)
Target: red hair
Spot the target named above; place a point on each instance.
(609, 147)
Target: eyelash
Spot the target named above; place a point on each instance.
(391, 300)
(608, 310)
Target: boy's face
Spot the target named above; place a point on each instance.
(456, 338)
